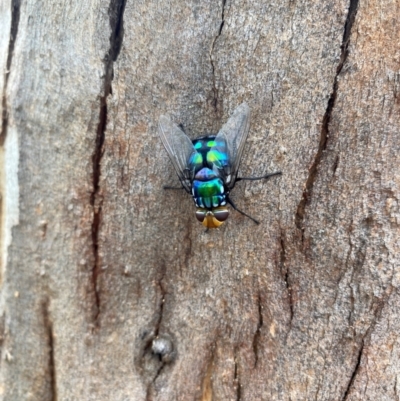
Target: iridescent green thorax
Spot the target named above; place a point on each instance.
(213, 151)
(208, 188)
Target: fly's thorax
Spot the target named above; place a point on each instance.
(212, 218)
(210, 151)
(196, 162)
(217, 157)
(204, 143)
(198, 159)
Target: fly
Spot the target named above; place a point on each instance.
(207, 167)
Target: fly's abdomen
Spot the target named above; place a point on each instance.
(208, 189)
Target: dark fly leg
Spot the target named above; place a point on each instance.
(258, 178)
(240, 211)
(168, 187)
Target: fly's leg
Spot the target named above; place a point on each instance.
(258, 178)
(168, 187)
(266, 176)
(182, 127)
(241, 212)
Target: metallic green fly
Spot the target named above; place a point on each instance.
(208, 166)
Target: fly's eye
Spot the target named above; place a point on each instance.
(221, 214)
(201, 214)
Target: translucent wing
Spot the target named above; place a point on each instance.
(179, 148)
(233, 134)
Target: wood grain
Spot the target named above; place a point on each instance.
(111, 289)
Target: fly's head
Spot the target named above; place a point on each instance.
(212, 218)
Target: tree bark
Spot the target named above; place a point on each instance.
(111, 289)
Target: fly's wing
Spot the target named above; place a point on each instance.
(233, 136)
(179, 148)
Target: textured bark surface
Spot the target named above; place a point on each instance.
(111, 289)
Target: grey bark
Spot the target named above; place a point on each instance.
(110, 288)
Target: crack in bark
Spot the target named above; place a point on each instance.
(312, 174)
(15, 14)
(2, 331)
(351, 295)
(257, 334)
(214, 87)
(376, 316)
(207, 392)
(237, 381)
(355, 370)
(335, 165)
(187, 240)
(48, 325)
(115, 12)
(95, 201)
(149, 395)
(162, 302)
(286, 276)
